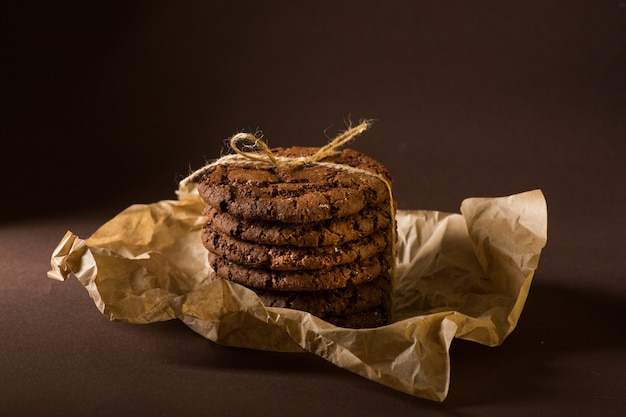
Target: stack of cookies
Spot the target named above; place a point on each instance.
(316, 237)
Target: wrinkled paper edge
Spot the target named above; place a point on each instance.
(411, 354)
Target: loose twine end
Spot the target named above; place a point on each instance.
(254, 148)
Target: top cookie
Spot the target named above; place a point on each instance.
(259, 191)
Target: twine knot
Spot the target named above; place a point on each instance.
(257, 150)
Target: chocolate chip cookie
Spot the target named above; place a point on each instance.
(301, 280)
(322, 233)
(299, 195)
(375, 317)
(290, 258)
(341, 301)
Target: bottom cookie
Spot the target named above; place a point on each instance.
(337, 302)
(376, 317)
(355, 306)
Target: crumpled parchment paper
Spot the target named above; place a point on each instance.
(458, 275)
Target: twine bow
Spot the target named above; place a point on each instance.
(250, 141)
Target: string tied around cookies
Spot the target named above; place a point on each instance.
(261, 152)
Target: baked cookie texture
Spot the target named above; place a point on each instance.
(297, 195)
(339, 276)
(317, 237)
(334, 231)
(290, 258)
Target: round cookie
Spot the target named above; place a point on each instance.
(376, 317)
(373, 317)
(337, 302)
(323, 233)
(302, 280)
(289, 258)
(259, 191)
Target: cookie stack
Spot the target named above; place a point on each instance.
(316, 238)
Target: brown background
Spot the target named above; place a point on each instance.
(106, 104)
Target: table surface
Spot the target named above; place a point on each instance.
(112, 107)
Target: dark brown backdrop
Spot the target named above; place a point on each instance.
(106, 104)
(486, 98)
